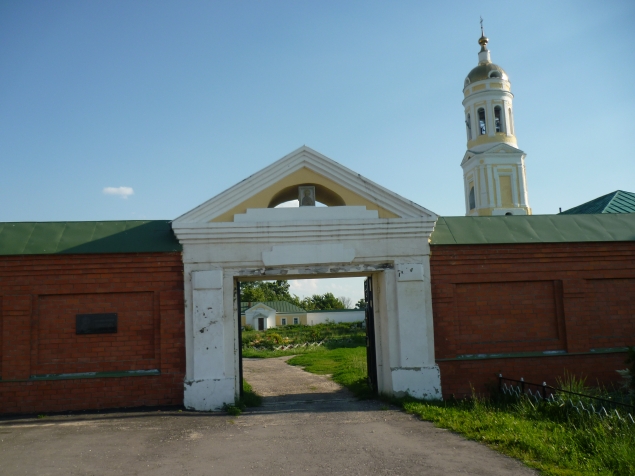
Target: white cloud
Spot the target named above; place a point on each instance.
(123, 192)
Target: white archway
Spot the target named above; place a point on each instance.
(234, 237)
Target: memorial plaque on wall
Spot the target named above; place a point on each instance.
(96, 323)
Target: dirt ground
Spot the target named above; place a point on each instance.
(307, 425)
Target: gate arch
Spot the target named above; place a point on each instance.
(235, 237)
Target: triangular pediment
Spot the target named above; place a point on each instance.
(303, 166)
(500, 148)
(261, 307)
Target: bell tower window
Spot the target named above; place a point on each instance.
(481, 121)
(472, 198)
(498, 120)
(468, 125)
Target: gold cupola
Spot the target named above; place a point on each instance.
(488, 102)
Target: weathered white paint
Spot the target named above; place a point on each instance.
(394, 251)
(304, 214)
(207, 376)
(284, 255)
(421, 382)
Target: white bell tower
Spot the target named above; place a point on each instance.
(493, 166)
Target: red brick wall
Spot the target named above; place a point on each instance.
(573, 297)
(40, 297)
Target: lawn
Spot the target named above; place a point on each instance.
(545, 437)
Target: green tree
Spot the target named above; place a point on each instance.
(322, 302)
(258, 291)
(361, 304)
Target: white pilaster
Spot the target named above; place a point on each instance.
(208, 388)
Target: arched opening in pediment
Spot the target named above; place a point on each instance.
(323, 196)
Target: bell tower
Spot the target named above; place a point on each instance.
(493, 166)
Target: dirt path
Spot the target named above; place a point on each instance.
(280, 383)
(308, 425)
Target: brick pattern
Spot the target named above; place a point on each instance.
(41, 296)
(531, 298)
(61, 350)
(460, 379)
(614, 301)
(16, 336)
(506, 317)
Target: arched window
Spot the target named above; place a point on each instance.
(468, 125)
(472, 199)
(481, 122)
(511, 121)
(498, 120)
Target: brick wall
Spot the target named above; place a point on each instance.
(573, 300)
(40, 297)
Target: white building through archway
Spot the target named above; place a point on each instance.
(365, 230)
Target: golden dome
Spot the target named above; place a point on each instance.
(486, 71)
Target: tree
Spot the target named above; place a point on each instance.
(346, 301)
(322, 302)
(361, 304)
(262, 291)
(259, 291)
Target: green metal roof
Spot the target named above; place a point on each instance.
(335, 310)
(80, 237)
(615, 202)
(279, 306)
(533, 229)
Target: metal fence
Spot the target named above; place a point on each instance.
(579, 402)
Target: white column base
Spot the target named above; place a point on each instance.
(209, 395)
(423, 383)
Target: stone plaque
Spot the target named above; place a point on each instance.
(96, 323)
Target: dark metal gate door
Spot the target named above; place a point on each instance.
(371, 354)
(240, 340)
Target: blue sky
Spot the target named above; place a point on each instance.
(180, 100)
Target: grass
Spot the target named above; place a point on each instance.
(248, 399)
(554, 442)
(345, 365)
(544, 437)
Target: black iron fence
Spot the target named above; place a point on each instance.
(582, 403)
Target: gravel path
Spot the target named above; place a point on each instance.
(307, 425)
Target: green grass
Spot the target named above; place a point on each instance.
(346, 365)
(555, 442)
(248, 399)
(545, 437)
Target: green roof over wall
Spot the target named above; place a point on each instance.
(80, 237)
(279, 306)
(533, 229)
(615, 202)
